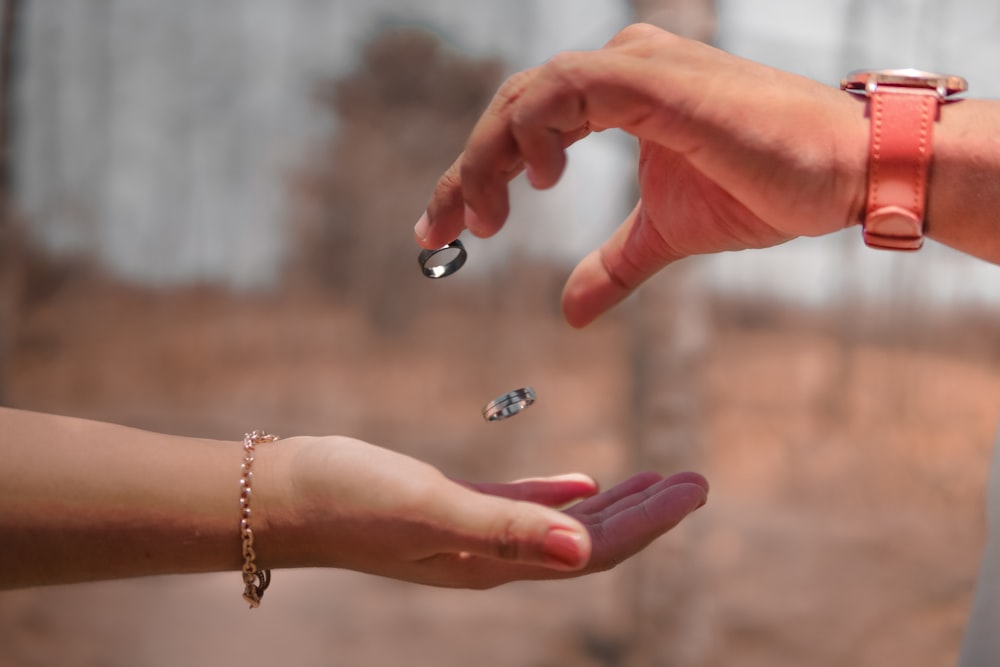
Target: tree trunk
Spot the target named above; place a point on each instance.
(671, 325)
(10, 239)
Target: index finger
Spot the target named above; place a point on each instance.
(529, 124)
(509, 137)
(447, 214)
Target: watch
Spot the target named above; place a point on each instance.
(903, 106)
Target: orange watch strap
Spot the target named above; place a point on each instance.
(902, 122)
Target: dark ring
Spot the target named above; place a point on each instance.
(509, 404)
(432, 270)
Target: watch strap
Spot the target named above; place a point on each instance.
(902, 122)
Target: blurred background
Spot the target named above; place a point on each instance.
(207, 213)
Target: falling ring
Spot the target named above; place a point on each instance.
(509, 404)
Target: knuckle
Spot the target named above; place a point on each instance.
(450, 183)
(468, 173)
(510, 90)
(633, 33)
(562, 67)
(505, 543)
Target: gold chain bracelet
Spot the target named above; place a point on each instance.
(255, 581)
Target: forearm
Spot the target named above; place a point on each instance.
(83, 500)
(964, 193)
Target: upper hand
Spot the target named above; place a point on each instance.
(733, 155)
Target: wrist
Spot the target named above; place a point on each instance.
(903, 108)
(277, 514)
(964, 183)
(852, 153)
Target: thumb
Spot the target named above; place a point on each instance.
(516, 531)
(609, 274)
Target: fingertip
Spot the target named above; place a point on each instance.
(574, 316)
(542, 178)
(644, 478)
(694, 495)
(576, 487)
(684, 492)
(433, 231)
(533, 177)
(573, 300)
(421, 230)
(588, 292)
(688, 478)
(566, 549)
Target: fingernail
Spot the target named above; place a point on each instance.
(562, 548)
(564, 477)
(573, 477)
(422, 227)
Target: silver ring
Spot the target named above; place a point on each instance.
(509, 404)
(443, 261)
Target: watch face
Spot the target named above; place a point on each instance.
(867, 81)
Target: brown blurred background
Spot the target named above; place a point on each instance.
(846, 427)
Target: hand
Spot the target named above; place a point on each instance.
(353, 505)
(89, 501)
(733, 155)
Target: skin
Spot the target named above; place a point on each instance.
(85, 501)
(733, 155)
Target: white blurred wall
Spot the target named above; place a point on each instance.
(158, 136)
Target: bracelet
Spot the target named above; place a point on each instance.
(255, 581)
